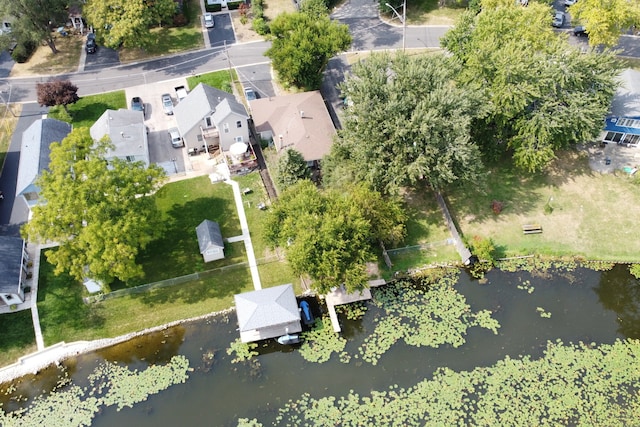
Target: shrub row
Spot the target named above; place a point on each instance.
(259, 24)
(23, 51)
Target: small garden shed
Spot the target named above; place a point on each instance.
(210, 240)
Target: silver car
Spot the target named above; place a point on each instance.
(175, 138)
(167, 104)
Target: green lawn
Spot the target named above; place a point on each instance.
(582, 213)
(88, 109)
(217, 79)
(428, 12)
(17, 337)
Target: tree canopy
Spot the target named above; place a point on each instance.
(543, 94)
(98, 212)
(606, 20)
(407, 121)
(302, 45)
(33, 19)
(57, 92)
(127, 22)
(291, 168)
(329, 235)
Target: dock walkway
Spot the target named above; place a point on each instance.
(339, 296)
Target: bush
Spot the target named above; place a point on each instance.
(215, 7)
(234, 5)
(179, 20)
(23, 50)
(260, 26)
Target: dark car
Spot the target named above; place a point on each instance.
(91, 46)
(137, 104)
(580, 32)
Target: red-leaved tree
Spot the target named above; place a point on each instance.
(57, 92)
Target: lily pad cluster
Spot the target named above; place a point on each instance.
(321, 342)
(109, 385)
(243, 351)
(422, 315)
(571, 385)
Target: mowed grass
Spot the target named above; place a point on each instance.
(17, 337)
(88, 109)
(65, 317)
(217, 79)
(426, 12)
(589, 214)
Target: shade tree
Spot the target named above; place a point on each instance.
(57, 92)
(606, 21)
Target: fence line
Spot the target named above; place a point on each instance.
(423, 246)
(175, 280)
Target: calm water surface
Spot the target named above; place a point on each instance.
(584, 305)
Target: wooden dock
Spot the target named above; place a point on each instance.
(339, 296)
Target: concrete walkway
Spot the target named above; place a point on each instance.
(253, 265)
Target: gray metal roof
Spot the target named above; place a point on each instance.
(34, 152)
(266, 307)
(226, 107)
(201, 102)
(209, 235)
(626, 102)
(10, 263)
(125, 129)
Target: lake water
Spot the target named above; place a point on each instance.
(584, 305)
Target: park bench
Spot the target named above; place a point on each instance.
(532, 228)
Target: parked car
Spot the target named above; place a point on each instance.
(208, 20)
(167, 104)
(558, 20)
(91, 46)
(137, 104)
(250, 94)
(175, 138)
(570, 2)
(580, 31)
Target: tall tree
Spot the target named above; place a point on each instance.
(291, 168)
(330, 235)
(57, 92)
(543, 94)
(407, 121)
(34, 19)
(302, 44)
(100, 213)
(606, 20)
(127, 22)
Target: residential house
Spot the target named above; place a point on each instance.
(210, 119)
(623, 126)
(75, 18)
(210, 240)
(34, 155)
(300, 121)
(13, 270)
(126, 131)
(267, 313)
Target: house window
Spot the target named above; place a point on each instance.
(200, 138)
(613, 137)
(239, 124)
(628, 123)
(31, 195)
(225, 127)
(631, 139)
(131, 158)
(239, 139)
(207, 120)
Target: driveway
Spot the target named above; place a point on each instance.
(160, 150)
(103, 58)
(222, 31)
(258, 78)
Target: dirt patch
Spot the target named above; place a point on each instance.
(244, 32)
(273, 8)
(45, 62)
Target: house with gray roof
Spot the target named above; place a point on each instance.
(34, 155)
(267, 313)
(125, 129)
(13, 270)
(211, 119)
(210, 240)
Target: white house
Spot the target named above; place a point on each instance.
(126, 131)
(34, 155)
(210, 118)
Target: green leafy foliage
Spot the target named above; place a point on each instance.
(571, 385)
(127, 22)
(291, 168)
(109, 385)
(302, 45)
(605, 21)
(31, 22)
(243, 351)
(544, 95)
(407, 122)
(321, 342)
(97, 210)
(635, 270)
(329, 235)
